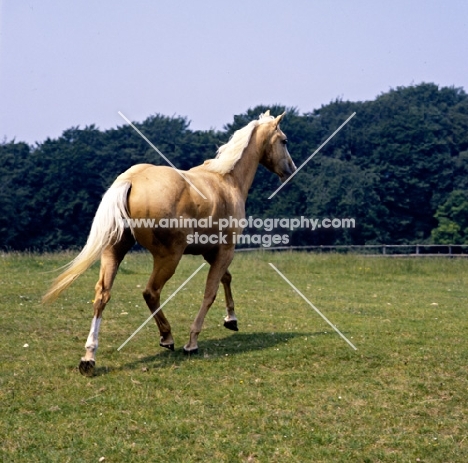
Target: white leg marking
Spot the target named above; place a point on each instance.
(230, 318)
(92, 342)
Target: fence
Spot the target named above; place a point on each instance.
(391, 250)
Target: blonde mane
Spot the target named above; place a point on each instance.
(228, 154)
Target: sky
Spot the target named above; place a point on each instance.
(72, 63)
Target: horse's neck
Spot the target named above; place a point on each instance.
(244, 171)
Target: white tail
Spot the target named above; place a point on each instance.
(108, 227)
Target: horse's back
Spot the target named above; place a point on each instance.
(135, 169)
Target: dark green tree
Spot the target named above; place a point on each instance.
(14, 194)
(393, 168)
(453, 220)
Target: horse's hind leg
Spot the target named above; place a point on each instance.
(110, 260)
(230, 320)
(163, 270)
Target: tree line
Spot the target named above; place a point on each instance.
(399, 168)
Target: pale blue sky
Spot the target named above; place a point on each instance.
(77, 62)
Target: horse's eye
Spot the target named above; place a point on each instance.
(284, 142)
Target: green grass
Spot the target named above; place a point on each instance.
(286, 387)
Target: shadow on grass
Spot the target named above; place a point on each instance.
(212, 349)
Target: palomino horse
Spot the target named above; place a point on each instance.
(157, 192)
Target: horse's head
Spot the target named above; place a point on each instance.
(276, 157)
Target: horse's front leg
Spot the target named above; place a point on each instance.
(219, 265)
(230, 320)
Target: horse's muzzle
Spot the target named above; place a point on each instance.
(286, 173)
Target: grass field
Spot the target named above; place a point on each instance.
(285, 388)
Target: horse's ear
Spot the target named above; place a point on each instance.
(279, 118)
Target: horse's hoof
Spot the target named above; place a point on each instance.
(167, 346)
(191, 352)
(86, 367)
(231, 325)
